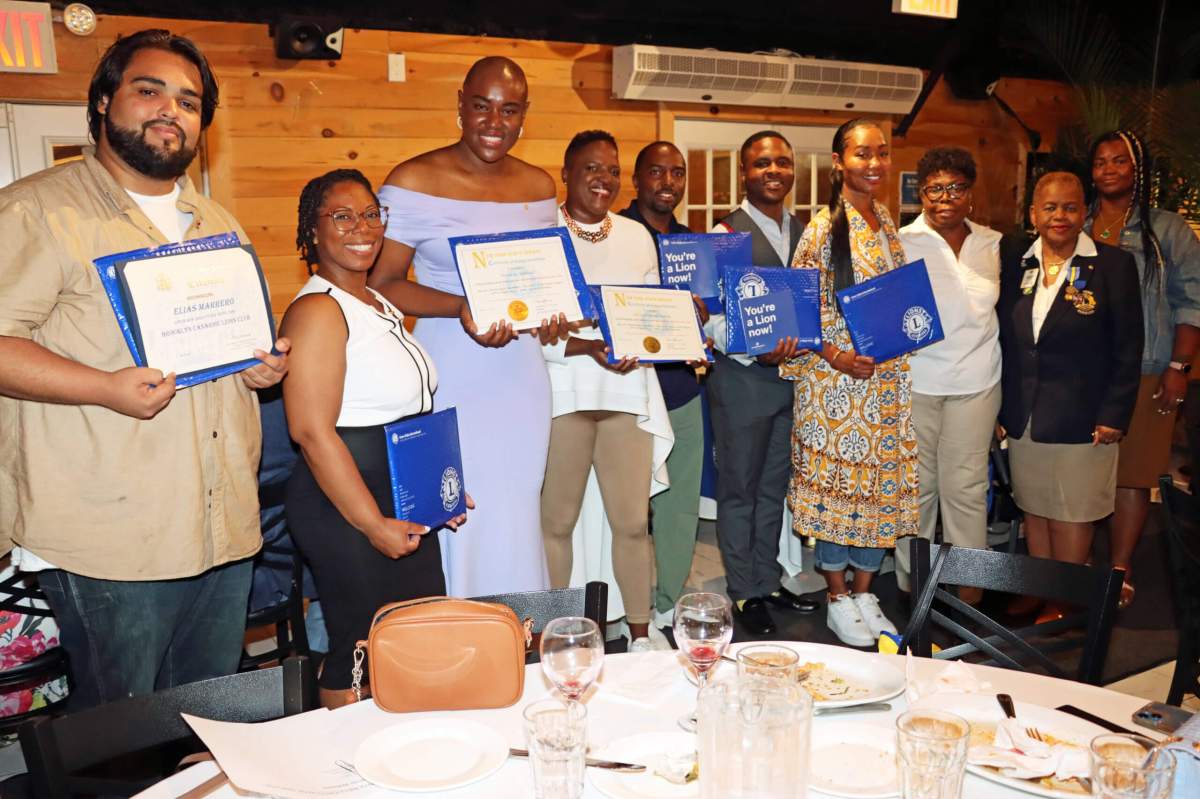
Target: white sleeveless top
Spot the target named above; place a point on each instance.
(388, 374)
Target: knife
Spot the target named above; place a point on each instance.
(613, 765)
(1099, 722)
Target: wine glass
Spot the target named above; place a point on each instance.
(703, 628)
(572, 651)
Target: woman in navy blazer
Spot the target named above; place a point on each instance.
(1071, 335)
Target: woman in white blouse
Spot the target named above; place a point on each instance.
(956, 382)
(354, 369)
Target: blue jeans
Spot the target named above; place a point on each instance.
(832, 557)
(134, 637)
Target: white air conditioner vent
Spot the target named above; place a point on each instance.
(643, 72)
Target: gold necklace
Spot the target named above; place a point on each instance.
(1107, 228)
(590, 236)
(1053, 268)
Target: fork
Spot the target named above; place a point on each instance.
(1010, 710)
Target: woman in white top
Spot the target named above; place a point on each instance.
(956, 382)
(357, 370)
(607, 417)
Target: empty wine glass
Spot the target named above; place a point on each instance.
(703, 628)
(572, 653)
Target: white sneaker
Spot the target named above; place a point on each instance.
(642, 644)
(846, 621)
(868, 608)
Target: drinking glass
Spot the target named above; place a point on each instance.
(1130, 767)
(556, 734)
(768, 660)
(931, 753)
(572, 652)
(703, 628)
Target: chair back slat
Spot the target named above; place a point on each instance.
(590, 601)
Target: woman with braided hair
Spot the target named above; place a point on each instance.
(1168, 262)
(854, 447)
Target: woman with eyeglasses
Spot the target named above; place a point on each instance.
(354, 369)
(955, 382)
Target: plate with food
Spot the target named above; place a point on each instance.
(838, 676)
(671, 767)
(1042, 752)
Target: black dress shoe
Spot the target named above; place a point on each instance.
(785, 599)
(755, 617)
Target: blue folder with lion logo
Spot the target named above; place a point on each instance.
(892, 314)
(425, 461)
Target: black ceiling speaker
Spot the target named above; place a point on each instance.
(308, 38)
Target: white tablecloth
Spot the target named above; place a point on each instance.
(613, 715)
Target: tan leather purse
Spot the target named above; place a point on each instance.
(441, 653)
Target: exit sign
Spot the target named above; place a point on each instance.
(946, 9)
(26, 38)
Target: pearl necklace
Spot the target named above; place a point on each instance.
(590, 236)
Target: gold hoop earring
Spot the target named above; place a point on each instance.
(520, 131)
(459, 120)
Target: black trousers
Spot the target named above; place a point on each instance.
(353, 578)
(752, 427)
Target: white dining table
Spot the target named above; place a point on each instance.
(663, 694)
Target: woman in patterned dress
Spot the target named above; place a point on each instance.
(854, 449)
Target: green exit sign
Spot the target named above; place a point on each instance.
(26, 38)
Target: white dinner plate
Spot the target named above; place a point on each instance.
(871, 678)
(983, 712)
(430, 755)
(853, 760)
(644, 749)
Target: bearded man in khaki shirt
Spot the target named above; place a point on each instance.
(137, 504)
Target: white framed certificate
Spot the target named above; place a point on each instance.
(650, 323)
(521, 278)
(197, 311)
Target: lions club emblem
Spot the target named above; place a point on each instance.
(451, 488)
(751, 285)
(917, 323)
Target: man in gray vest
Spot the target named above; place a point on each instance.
(752, 406)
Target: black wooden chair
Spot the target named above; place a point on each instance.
(543, 607)
(1181, 523)
(57, 749)
(1094, 589)
(291, 637)
(19, 594)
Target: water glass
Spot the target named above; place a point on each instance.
(556, 734)
(572, 653)
(1130, 767)
(768, 660)
(931, 754)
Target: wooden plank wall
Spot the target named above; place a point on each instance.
(281, 123)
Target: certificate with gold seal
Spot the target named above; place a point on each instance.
(198, 309)
(521, 278)
(652, 323)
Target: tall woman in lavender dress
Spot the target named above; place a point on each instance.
(495, 378)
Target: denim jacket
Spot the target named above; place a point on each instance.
(1175, 300)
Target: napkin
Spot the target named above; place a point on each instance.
(1024, 758)
(955, 678)
(641, 681)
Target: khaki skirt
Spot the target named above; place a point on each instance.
(1064, 482)
(1146, 448)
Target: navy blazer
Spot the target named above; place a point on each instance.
(1084, 368)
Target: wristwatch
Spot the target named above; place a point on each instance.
(1182, 366)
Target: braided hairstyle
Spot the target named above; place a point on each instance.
(839, 225)
(311, 198)
(1143, 166)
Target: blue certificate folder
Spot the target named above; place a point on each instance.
(747, 282)
(695, 261)
(110, 268)
(767, 319)
(425, 462)
(606, 330)
(892, 314)
(573, 268)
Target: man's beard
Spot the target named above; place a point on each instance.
(132, 148)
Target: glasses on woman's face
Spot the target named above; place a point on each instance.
(953, 191)
(346, 219)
